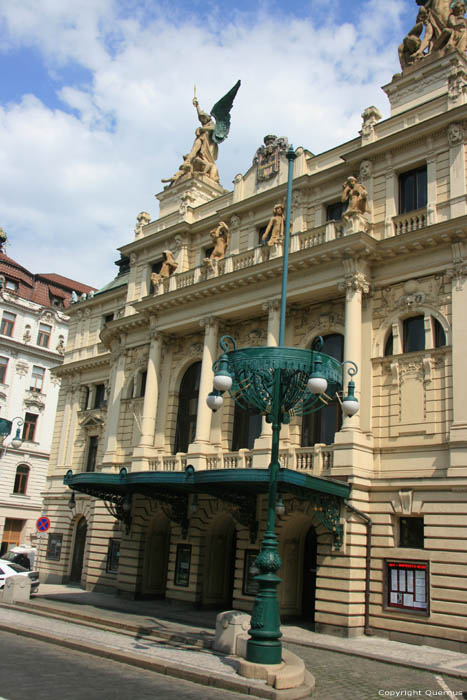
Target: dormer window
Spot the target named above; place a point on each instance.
(11, 285)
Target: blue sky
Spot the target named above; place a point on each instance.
(95, 104)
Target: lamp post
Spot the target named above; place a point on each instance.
(279, 382)
(6, 427)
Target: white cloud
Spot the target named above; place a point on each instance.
(75, 179)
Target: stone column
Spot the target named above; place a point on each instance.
(151, 399)
(457, 169)
(117, 378)
(204, 413)
(263, 442)
(458, 429)
(355, 285)
(391, 188)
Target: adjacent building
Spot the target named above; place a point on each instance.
(151, 494)
(33, 336)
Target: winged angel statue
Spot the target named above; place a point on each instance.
(201, 160)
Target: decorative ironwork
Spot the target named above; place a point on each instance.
(243, 509)
(120, 508)
(328, 511)
(175, 507)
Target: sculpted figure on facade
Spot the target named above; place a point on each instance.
(221, 239)
(356, 196)
(274, 232)
(142, 219)
(167, 269)
(201, 160)
(413, 47)
(454, 35)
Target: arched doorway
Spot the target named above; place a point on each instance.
(310, 557)
(156, 556)
(78, 550)
(298, 548)
(219, 569)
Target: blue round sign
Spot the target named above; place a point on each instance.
(43, 524)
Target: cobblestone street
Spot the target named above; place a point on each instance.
(345, 677)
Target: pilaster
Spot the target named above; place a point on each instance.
(201, 443)
(117, 378)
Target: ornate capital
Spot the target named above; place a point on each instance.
(209, 323)
(355, 283)
(459, 274)
(271, 305)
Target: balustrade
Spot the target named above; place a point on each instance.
(412, 221)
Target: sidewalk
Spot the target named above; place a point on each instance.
(176, 640)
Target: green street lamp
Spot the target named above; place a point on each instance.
(6, 427)
(279, 382)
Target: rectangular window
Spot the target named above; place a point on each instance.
(182, 565)
(92, 453)
(334, 211)
(11, 534)
(3, 369)
(142, 388)
(414, 333)
(113, 556)
(43, 336)
(7, 325)
(54, 546)
(37, 378)
(99, 396)
(407, 585)
(11, 285)
(411, 533)
(412, 190)
(108, 318)
(29, 428)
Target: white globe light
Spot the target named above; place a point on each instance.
(222, 382)
(317, 385)
(350, 406)
(214, 401)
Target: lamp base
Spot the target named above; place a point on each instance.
(263, 651)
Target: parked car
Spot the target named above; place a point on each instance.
(9, 568)
(22, 555)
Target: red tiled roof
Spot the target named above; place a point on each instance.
(40, 287)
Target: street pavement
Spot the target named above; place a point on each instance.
(175, 640)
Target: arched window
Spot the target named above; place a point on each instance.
(389, 345)
(21, 479)
(187, 408)
(416, 333)
(321, 426)
(246, 428)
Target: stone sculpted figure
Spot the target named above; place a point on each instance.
(221, 239)
(201, 160)
(274, 232)
(356, 196)
(454, 36)
(413, 48)
(168, 267)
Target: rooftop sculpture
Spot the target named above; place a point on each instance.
(440, 27)
(201, 160)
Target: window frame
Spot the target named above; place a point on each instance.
(420, 193)
(420, 544)
(113, 555)
(43, 336)
(91, 453)
(3, 368)
(7, 325)
(37, 378)
(30, 425)
(20, 485)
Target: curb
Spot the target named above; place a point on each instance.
(211, 679)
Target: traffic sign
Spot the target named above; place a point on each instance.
(43, 524)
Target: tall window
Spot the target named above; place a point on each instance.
(187, 408)
(99, 396)
(142, 383)
(414, 333)
(93, 445)
(246, 428)
(11, 534)
(412, 190)
(321, 426)
(43, 336)
(8, 322)
(37, 378)
(21, 479)
(3, 369)
(29, 428)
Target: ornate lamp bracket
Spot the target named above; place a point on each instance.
(243, 510)
(120, 508)
(175, 506)
(328, 510)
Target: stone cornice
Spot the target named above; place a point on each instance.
(78, 365)
(28, 349)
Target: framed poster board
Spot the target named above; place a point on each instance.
(182, 565)
(54, 546)
(406, 585)
(250, 586)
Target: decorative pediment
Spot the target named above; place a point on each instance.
(34, 401)
(91, 421)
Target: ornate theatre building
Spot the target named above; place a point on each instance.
(150, 493)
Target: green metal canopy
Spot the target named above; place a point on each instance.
(237, 487)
